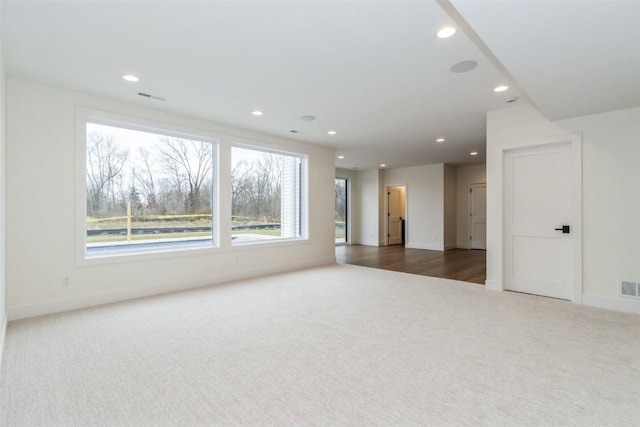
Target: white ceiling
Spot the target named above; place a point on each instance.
(371, 70)
(573, 58)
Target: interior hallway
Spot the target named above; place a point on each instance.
(458, 264)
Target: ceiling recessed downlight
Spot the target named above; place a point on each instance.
(474, 153)
(307, 118)
(341, 157)
(446, 32)
(383, 165)
(440, 140)
(332, 132)
(464, 66)
(130, 78)
(501, 88)
(257, 112)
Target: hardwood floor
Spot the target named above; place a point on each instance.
(459, 264)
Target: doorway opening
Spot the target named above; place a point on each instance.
(396, 215)
(342, 211)
(478, 216)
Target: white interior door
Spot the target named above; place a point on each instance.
(394, 214)
(478, 215)
(539, 199)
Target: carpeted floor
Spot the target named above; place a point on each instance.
(338, 345)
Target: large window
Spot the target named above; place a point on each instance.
(267, 195)
(146, 190)
(341, 211)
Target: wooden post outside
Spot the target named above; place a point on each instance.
(129, 221)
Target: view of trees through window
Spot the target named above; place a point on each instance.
(341, 210)
(265, 189)
(144, 188)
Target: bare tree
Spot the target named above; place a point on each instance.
(241, 187)
(144, 177)
(256, 186)
(189, 163)
(104, 166)
(341, 199)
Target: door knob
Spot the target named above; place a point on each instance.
(565, 229)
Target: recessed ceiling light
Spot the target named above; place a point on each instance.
(474, 153)
(131, 78)
(341, 157)
(440, 140)
(256, 112)
(463, 67)
(332, 132)
(446, 32)
(307, 118)
(382, 165)
(501, 88)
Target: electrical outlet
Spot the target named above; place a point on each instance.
(66, 281)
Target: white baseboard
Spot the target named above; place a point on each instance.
(449, 246)
(463, 245)
(3, 334)
(369, 243)
(492, 285)
(626, 305)
(428, 246)
(100, 298)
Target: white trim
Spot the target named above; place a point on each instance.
(222, 144)
(348, 231)
(492, 285)
(428, 246)
(609, 303)
(90, 300)
(3, 334)
(575, 142)
(462, 245)
(450, 246)
(470, 188)
(85, 114)
(368, 243)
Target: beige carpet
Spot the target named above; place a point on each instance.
(340, 345)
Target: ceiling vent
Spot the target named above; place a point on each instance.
(146, 95)
(629, 289)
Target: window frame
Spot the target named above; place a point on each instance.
(347, 210)
(86, 115)
(303, 197)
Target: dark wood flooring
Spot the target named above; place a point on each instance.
(459, 264)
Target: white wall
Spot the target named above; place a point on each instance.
(353, 202)
(3, 308)
(467, 175)
(41, 225)
(450, 206)
(425, 204)
(366, 223)
(611, 230)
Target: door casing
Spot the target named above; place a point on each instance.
(474, 243)
(575, 142)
